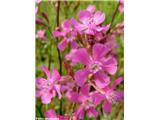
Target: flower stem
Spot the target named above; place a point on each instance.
(113, 18)
(59, 54)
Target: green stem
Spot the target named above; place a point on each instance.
(113, 18)
(59, 54)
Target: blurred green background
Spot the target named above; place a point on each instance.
(46, 50)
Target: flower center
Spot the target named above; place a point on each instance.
(111, 97)
(95, 67)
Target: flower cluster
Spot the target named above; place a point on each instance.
(91, 62)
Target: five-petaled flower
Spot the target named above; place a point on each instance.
(109, 95)
(91, 21)
(84, 98)
(96, 64)
(47, 88)
(68, 33)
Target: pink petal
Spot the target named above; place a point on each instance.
(58, 90)
(46, 71)
(91, 8)
(81, 56)
(50, 114)
(89, 31)
(80, 113)
(118, 96)
(81, 76)
(85, 90)
(46, 98)
(92, 112)
(78, 26)
(121, 8)
(107, 107)
(101, 79)
(99, 51)
(57, 33)
(74, 22)
(99, 17)
(84, 15)
(110, 65)
(38, 93)
(73, 96)
(102, 28)
(65, 25)
(40, 34)
(117, 82)
(97, 98)
(40, 82)
(82, 27)
(62, 44)
(70, 55)
(74, 45)
(55, 74)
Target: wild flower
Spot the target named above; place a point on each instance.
(96, 64)
(47, 88)
(68, 34)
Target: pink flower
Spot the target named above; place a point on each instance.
(90, 21)
(96, 64)
(41, 34)
(121, 6)
(68, 34)
(51, 115)
(47, 88)
(109, 96)
(84, 98)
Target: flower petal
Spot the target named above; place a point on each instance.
(97, 98)
(89, 31)
(58, 90)
(73, 96)
(46, 98)
(84, 15)
(110, 65)
(91, 8)
(101, 79)
(99, 17)
(85, 90)
(62, 44)
(80, 113)
(73, 45)
(81, 76)
(46, 71)
(78, 26)
(57, 33)
(80, 56)
(117, 82)
(107, 107)
(99, 51)
(50, 114)
(66, 25)
(102, 28)
(92, 112)
(55, 75)
(40, 82)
